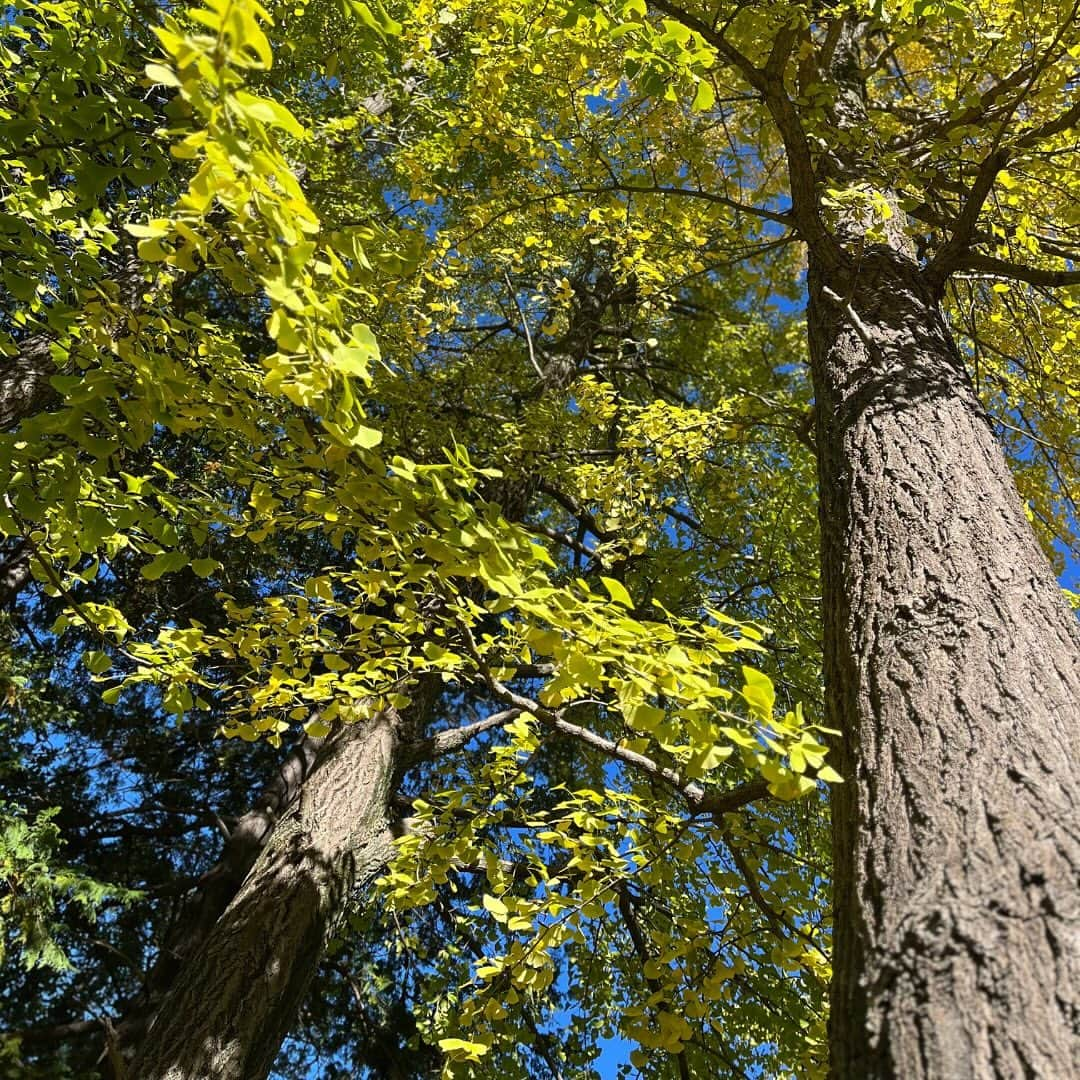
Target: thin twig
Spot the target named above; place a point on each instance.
(524, 325)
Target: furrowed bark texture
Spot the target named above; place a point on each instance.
(24, 381)
(216, 889)
(953, 674)
(230, 1010)
(14, 573)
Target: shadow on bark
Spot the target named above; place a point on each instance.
(230, 1009)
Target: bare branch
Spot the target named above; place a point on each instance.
(782, 218)
(951, 253)
(628, 911)
(55, 1033)
(454, 739)
(524, 325)
(1061, 123)
(1032, 275)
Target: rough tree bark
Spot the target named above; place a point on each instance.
(215, 891)
(952, 663)
(953, 673)
(24, 381)
(226, 1017)
(25, 388)
(14, 572)
(210, 1014)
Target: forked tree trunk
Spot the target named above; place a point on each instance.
(953, 674)
(236, 999)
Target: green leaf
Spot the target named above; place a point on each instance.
(168, 562)
(705, 97)
(367, 438)
(96, 662)
(268, 112)
(829, 775)
(675, 31)
(177, 699)
(497, 908)
(617, 591)
(163, 76)
(462, 1049)
(382, 24)
(352, 360)
(643, 717)
(759, 692)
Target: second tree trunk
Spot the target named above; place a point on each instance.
(238, 996)
(953, 674)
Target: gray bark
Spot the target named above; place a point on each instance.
(228, 1014)
(953, 674)
(24, 378)
(216, 889)
(15, 573)
(24, 381)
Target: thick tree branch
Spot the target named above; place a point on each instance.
(974, 114)
(575, 509)
(1032, 275)
(951, 253)
(628, 911)
(447, 742)
(219, 885)
(959, 243)
(24, 380)
(1064, 121)
(778, 923)
(56, 1033)
(780, 217)
(699, 800)
(15, 572)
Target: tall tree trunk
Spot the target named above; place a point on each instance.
(15, 572)
(236, 999)
(953, 674)
(215, 891)
(25, 388)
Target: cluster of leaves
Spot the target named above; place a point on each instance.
(34, 883)
(221, 426)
